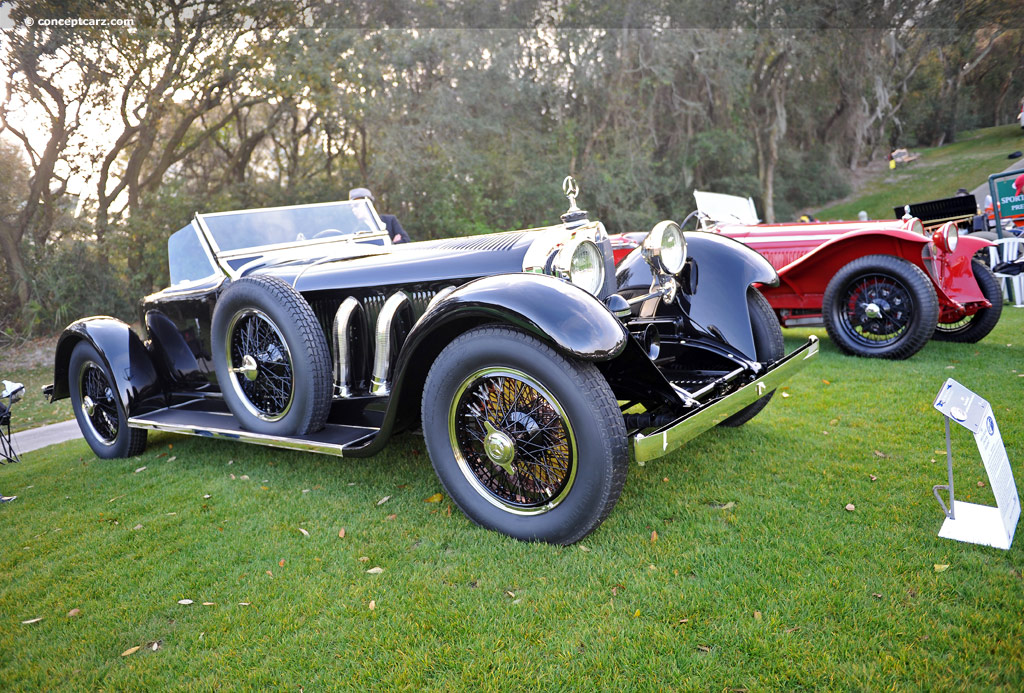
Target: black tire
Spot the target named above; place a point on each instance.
(880, 306)
(98, 408)
(271, 358)
(768, 347)
(553, 465)
(974, 328)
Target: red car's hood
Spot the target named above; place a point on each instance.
(782, 244)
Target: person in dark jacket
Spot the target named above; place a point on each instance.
(395, 230)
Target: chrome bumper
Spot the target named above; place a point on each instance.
(667, 438)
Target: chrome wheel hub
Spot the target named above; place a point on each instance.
(500, 448)
(872, 310)
(88, 406)
(249, 368)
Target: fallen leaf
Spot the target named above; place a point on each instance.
(364, 559)
(879, 453)
(209, 603)
(305, 490)
(244, 477)
(139, 526)
(583, 548)
(245, 603)
(872, 477)
(654, 537)
(941, 567)
(184, 602)
(785, 394)
(757, 615)
(981, 484)
(304, 532)
(270, 573)
(850, 507)
(32, 620)
(793, 629)
(825, 381)
(373, 604)
(172, 458)
(436, 498)
(704, 648)
(511, 595)
(876, 595)
(684, 620)
(74, 612)
(140, 469)
(383, 500)
(392, 516)
(724, 506)
(155, 645)
(131, 650)
(281, 563)
(341, 533)
(376, 570)
(207, 496)
(636, 614)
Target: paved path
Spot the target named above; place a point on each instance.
(33, 439)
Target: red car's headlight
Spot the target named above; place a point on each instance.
(946, 237)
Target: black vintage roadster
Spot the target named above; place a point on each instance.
(534, 366)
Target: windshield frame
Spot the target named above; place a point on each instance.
(223, 256)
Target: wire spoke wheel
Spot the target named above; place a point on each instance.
(512, 440)
(260, 365)
(98, 403)
(876, 310)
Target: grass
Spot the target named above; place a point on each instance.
(967, 163)
(759, 578)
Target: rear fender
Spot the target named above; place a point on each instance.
(135, 377)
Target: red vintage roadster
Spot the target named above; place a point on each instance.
(881, 288)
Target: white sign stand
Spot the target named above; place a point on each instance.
(978, 524)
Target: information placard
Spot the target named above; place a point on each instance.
(980, 524)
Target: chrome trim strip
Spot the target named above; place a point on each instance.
(438, 297)
(324, 448)
(669, 438)
(382, 354)
(348, 309)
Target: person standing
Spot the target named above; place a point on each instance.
(395, 230)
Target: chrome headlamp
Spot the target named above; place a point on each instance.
(665, 247)
(582, 263)
(946, 237)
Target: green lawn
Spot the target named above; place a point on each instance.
(967, 163)
(33, 410)
(759, 578)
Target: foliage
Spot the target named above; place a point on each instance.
(460, 129)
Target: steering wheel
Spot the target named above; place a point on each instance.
(328, 232)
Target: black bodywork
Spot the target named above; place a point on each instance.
(696, 338)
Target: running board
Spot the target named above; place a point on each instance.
(331, 440)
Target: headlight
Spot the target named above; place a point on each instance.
(582, 263)
(914, 225)
(665, 248)
(946, 237)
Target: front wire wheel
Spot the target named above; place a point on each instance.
(525, 440)
(975, 327)
(512, 440)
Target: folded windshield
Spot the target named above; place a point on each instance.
(283, 226)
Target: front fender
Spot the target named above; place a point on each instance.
(135, 377)
(724, 269)
(559, 313)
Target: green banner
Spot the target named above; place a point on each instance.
(1010, 203)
